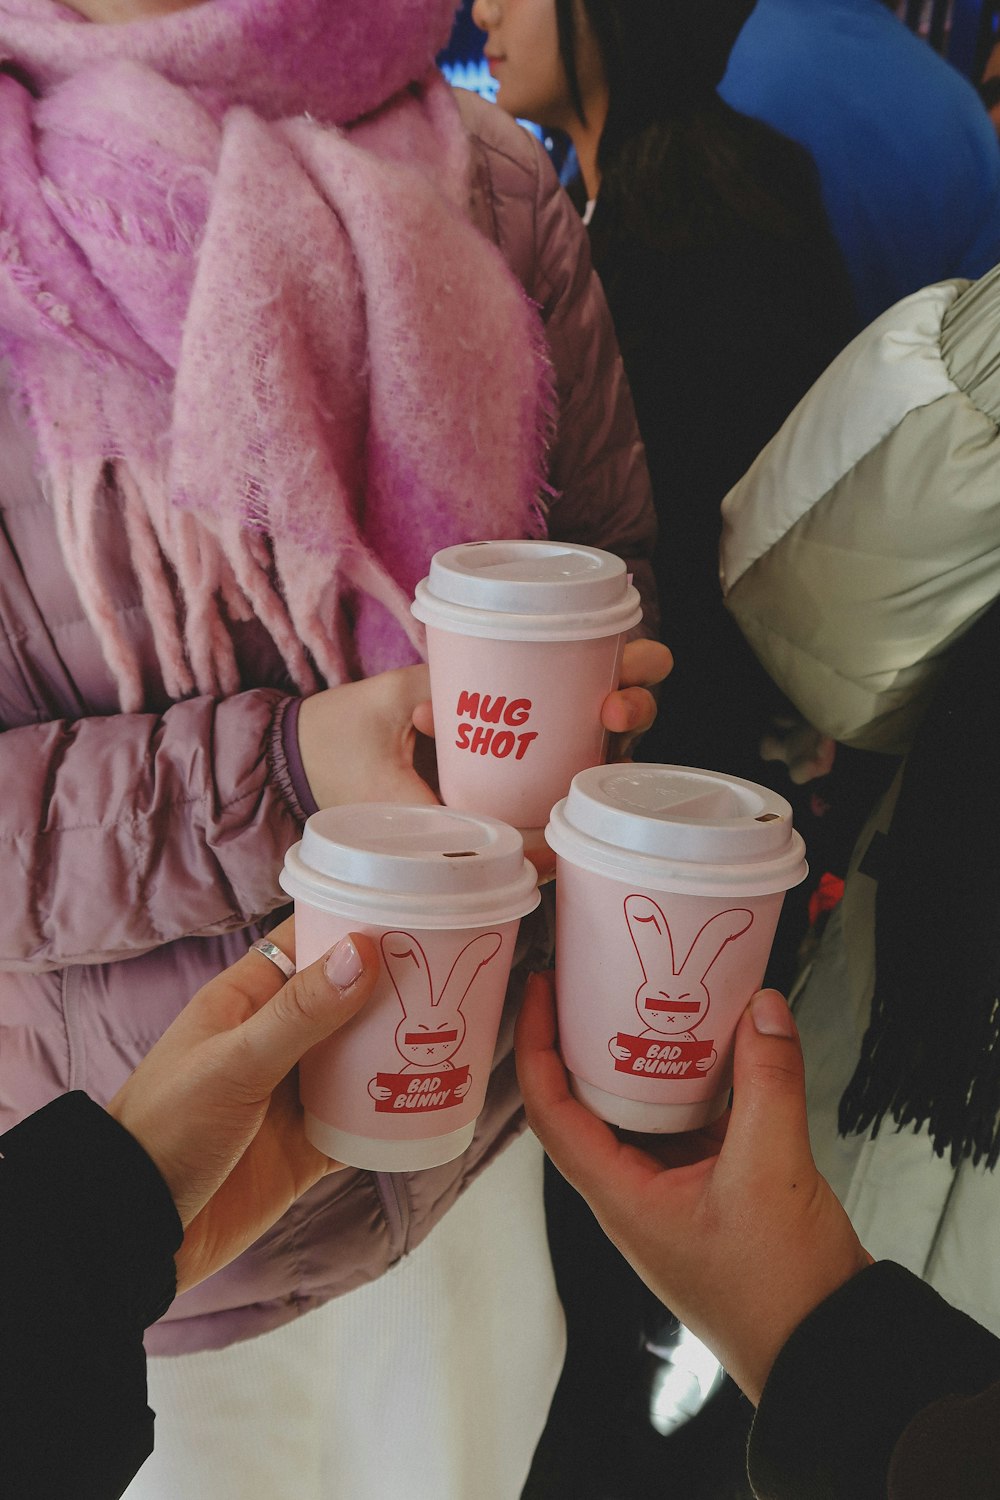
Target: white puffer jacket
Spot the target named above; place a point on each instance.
(866, 537)
(861, 545)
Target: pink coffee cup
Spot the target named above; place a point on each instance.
(669, 884)
(524, 642)
(441, 893)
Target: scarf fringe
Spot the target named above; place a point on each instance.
(265, 417)
(196, 561)
(74, 504)
(949, 1084)
(252, 564)
(930, 1057)
(148, 561)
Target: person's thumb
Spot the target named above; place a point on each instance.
(769, 1098)
(314, 1003)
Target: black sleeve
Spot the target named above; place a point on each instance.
(884, 1391)
(87, 1236)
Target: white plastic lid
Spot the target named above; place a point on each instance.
(675, 828)
(528, 591)
(431, 866)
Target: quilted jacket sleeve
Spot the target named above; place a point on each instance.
(120, 834)
(865, 539)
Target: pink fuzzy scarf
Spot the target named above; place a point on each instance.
(239, 293)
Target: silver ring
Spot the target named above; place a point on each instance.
(273, 952)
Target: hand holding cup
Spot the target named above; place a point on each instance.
(669, 886)
(215, 1102)
(628, 710)
(442, 893)
(525, 641)
(731, 1225)
(631, 708)
(359, 741)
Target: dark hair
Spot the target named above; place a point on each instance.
(660, 57)
(677, 164)
(937, 926)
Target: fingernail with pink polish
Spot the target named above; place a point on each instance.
(343, 964)
(771, 1015)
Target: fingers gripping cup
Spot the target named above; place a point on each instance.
(524, 642)
(442, 894)
(669, 884)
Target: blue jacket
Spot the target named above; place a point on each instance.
(907, 155)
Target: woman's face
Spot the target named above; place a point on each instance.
(522, 48)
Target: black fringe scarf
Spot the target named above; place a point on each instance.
(931, 1054)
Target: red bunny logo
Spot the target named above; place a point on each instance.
(433, 1027)
(672, 1001)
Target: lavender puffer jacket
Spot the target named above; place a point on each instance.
(139, 851)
